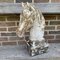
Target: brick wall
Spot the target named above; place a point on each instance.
(8, 26)
(52, 29)
(9, 23)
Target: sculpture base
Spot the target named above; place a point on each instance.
(38, 49)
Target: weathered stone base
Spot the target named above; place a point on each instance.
(37, 50)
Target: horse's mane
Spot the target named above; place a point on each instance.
(35, 15)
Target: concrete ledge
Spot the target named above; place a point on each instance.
(20, 53)
(16, 8)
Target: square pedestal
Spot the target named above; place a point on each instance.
(38, 49)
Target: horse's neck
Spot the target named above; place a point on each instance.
(37, 21)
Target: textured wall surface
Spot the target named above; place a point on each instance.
(9, 23)
(52, 29)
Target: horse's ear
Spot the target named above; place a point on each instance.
(28, 4)
(22, 4)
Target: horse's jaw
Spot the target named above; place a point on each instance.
(19, 33)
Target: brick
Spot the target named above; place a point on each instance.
(41, 1)
(16, 38)
(21, 42)
(9, 1)
(58, 27)
(57, 36)
(9, 43)
(2, 18)
(55, 1)
(12, 28)
(49, 27)
(50, 17)
(46, 22)
(54, 32)
(7, 24)
(3, 29)
(58, 17)
(3, 38)
(19, 1)
(10, 23)
(49, 37)
(3, 24)
(54, 22)
(13, 18)
(8, 34)
(45, 32)
(53, 41)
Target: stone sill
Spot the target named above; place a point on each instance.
(21, 53)
(16, 8)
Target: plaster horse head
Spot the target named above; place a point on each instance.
(32, 18)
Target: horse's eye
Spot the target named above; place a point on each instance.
(30, 9)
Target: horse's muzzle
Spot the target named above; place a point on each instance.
(19, 33)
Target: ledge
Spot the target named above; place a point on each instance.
(16, 8)
(21, 53)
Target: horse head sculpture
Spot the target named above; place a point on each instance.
(32, 19)
(25, 19)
